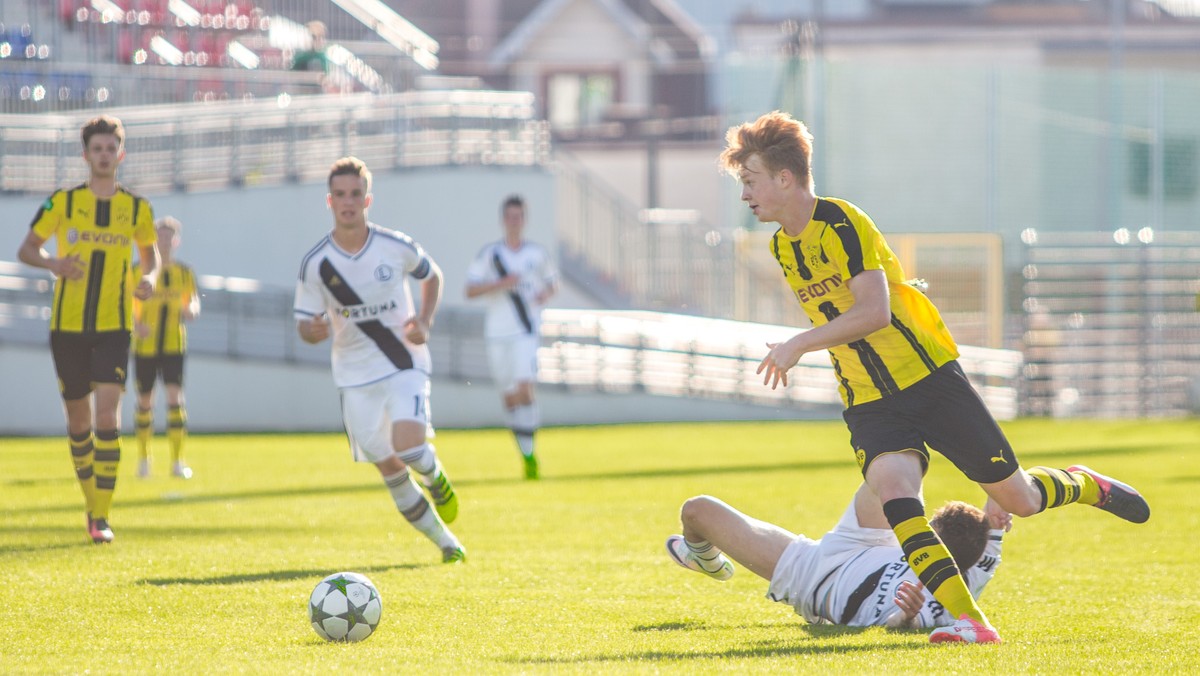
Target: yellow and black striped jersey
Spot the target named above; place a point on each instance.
(103, 233)
(839, 242)
(162, 311)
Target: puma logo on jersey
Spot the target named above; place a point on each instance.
(120, 372)
(999, 458)
(335, 280)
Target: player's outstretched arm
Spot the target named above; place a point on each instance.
(32, 253)
(150, 263)
(871, 311)
(417, 328)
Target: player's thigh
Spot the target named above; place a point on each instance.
(883, 428)
(525, 358)
(959, 426)
(368, 425)
(754, 543)
(172, 369)
(500, 354)
(145, 373)
(110, 358)
(408, 408)
(72, 353)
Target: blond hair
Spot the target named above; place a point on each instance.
(169, 222)
(779, 140)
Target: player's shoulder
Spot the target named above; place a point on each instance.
(390, 237)
(837, 211)
(536, 248)
(61, 194)
(312, 254)
(122, 189)
(487, 250)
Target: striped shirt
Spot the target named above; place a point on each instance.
(838, 243)
(163, 311)
(103, 233)
(366, 297)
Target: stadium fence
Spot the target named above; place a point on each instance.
(1112, 323)
(582, 350)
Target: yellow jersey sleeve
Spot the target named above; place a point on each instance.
(143, 224)
(50, 215)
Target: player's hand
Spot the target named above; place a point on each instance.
(67, 267)
(141, 330)
(186, 314)
(774, 366)
(910, 598)
(145, 288)
(507, 283)
(416, 331)
(314, 330)
(998, 518)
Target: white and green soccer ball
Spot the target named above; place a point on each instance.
(345, 607)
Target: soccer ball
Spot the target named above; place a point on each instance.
(345, 607)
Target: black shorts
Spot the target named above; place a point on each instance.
(83, 360)
(942, 410)
(148, 369)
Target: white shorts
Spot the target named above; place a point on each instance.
(806, 563)
(513, 360)
(368, 412)
(794, 572)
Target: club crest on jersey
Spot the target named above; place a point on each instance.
(72, 236)
(384, 272)
(354, 312)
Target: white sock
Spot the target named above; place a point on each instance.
(424, 460)
(524, 422)
(416, 509)
(707, 556)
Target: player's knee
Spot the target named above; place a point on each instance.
(696, 510)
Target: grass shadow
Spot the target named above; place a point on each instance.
(814, 643)
(269, 576)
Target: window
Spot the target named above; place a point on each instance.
(578, 99)
(1179, 170)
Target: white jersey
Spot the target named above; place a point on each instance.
(516, 311)
(850, 576)
(367, 300)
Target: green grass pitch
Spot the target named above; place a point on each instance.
(569, 574)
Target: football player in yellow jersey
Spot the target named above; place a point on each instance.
(96, 225)
(896, 364)
(160, 343)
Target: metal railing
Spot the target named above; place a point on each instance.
(1112, 323)
(290, 138)
(585, 350)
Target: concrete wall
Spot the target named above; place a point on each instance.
(262, 233)
(244, 396)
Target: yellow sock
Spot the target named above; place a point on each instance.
(930, 559)
(82, 451)
(176, 431)
(143, 420)
(108, 458)
(1060, 487)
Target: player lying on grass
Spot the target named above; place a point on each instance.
(856, 575)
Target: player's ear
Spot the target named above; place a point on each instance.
(121, 155)
(367, 199)
(329, 200)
